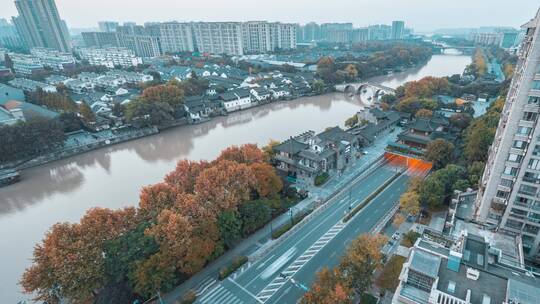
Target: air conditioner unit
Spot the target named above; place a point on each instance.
(473, 274)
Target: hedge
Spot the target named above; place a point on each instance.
(321, 179)
(281, 230)
(237, 263)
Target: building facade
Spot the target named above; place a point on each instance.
(398, 28)
(108, 26)
(219, 37)
(41, 26)
(176, 37)
(509, 195)
(110, 57)
(100, 39)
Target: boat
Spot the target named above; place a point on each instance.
(9, 176)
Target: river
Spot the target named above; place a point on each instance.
(112, 177)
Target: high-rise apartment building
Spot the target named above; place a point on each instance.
(310, 32)
(100, 39)
(41, 26)
(176, 37)
(108, 26)
(219, 37)
(326, 28)
(397, 30)
(380, 32)
(509, 195)
(144, 41)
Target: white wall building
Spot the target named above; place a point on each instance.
(176, 37)
(219, 37)
(110, 57)
(509, 194)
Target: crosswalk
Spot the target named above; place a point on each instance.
(302, 260)
(220, 295)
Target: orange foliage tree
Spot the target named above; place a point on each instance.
(330, 287)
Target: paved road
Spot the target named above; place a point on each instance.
(318, 243)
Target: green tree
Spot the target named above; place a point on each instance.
(318, 86)
(145, 114)
(432, 192)
(351, 121)
(87, 113)
(254, 215)
(439, 152)
(230, 227)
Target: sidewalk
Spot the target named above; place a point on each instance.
(207, 277)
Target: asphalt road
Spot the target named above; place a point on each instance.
(318, 243)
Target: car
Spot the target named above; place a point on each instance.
(365, 152)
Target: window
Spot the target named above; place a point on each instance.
(534, 100)
(534, 164)
(524, 130)
(528, 190)
(506, 182)
(513, 224)
(502, 194)
(531, 177)
(514, 158)
(451, 286)
(536, 150)
(522, 201)
(510, 171)
(520, 144)
(529, 116)
(536, 85)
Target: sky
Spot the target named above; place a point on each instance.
(422, 15)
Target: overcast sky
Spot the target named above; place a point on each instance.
(422, 15)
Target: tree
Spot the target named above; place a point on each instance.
(439, 152)
(149, 114)
(154, 274)
(326, 69)
(266, 182)
(389, 277)
(87, 113)
(410, 203)
(351, 121)
(330, 287)
(318, 86)
(69, 263)
(156, 198)
(225, 185)
(230, 226)
(432, 192)
(244, 154)
(475, 172)
(361, 260)
(70, 122)
(183, 177)
(424, 113)
(268, 150)
(170, 94)
(254, 214)
(398, 220)
(461, 120)
(352, 72)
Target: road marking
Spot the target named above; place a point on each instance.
(216, 293)
(242, 287)
(217, 288)
(264, 263)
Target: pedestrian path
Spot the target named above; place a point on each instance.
(221, 295)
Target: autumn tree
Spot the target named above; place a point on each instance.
(424, 113)
(409, 203)
(183, 177)
(244, 154)
(330, 287)
(432, 192)
(439, 152)
(268, 150)
(154, 274)
(156, 198)
(87, 113)
(351, 72)
(398, 220)
(225, 185)
(168, 93)
(266, 181)
(351, 121)
(361, 260)
(69, 263)
(326, 68)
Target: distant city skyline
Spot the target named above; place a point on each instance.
(426, 16)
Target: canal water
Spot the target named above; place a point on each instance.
(112, 177)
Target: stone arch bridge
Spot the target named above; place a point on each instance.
(358, 88)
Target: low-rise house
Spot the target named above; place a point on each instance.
(131, 77)
(308, 155)
(260, 94)
(88, 76)
(467, 269)
(280, 92)
(57, 79)
(78, 86)
(236, 100)
(200, 107)
(31, 85)
(420, 133)
(374, 122)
